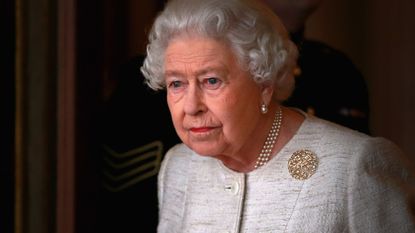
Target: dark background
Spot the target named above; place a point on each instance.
(377, 35)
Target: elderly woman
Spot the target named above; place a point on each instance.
(248, 164)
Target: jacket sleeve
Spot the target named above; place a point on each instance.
(160, 180)
(376, 202)
(172, 180)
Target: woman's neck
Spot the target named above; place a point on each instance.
(244, 161)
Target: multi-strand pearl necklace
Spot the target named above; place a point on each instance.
(270, 142)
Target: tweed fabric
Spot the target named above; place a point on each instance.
(199, 194)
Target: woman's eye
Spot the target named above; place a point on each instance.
(212, 83)
(175, 85)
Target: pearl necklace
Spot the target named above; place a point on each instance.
(270, 142)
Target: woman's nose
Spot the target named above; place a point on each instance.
(194, 101)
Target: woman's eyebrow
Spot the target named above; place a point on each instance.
(174, 73)
(217, 68)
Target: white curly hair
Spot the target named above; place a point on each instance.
(255, 34)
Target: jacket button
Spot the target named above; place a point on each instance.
(232, 188)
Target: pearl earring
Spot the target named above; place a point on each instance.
(264, 109)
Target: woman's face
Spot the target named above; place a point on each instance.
(214, 103)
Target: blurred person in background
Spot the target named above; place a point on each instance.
(328, 84)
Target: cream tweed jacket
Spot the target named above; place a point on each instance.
(345, 194)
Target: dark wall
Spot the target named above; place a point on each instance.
(89, 69)
(7, 102)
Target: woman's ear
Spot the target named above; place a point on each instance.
(266, 94)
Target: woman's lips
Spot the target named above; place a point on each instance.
(201, 129)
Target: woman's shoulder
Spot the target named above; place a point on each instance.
(174, 166)
(180, 160)
(321, 130)
(335, 131)
(336, 140)
(364, 149)
(179, 149)
(178, 155)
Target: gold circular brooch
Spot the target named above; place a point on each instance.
(302, 164)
